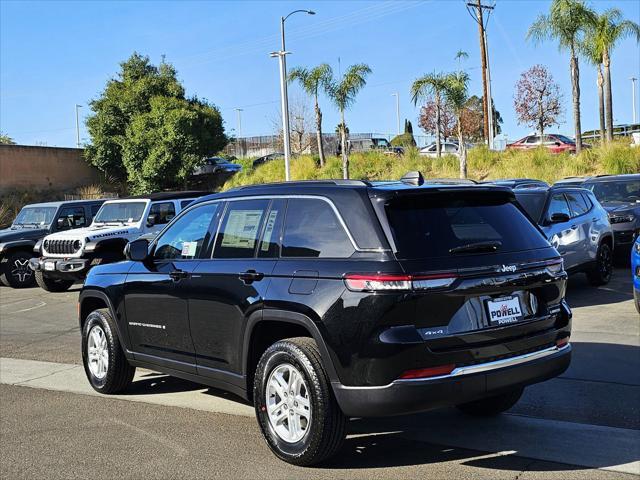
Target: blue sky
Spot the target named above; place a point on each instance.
(56, 54)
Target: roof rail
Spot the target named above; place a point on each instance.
(306, 183)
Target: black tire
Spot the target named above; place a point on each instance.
(326, 431)
(603, 270)
(119, 372)
(490, 406)
(52, 284)
(15, 271)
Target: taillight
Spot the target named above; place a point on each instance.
(428, 372)
(555, 266)
(390, 282)
(563, 342)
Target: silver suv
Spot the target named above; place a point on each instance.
(576, 224)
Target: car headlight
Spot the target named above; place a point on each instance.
(621, 218)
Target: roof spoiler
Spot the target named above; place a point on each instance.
(413, 178)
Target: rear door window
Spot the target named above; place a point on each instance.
(240, 228)
(270, 241)
(312, 229)
(436, 225)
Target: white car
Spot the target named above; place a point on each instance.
(446, 148)
(66, 257)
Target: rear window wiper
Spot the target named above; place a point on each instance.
(477, 247)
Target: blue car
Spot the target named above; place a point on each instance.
(635, 272)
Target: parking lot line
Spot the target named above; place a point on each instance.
(608, 448)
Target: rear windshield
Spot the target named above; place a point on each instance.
(533, 203)
(450, 224)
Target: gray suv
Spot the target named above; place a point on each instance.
(576, 224)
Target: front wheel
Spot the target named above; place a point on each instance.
(490, 406)
(52, 284)
(601, 273)
(15, 271)
(295, 407)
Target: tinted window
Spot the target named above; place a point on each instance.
(71, 217)
(533, 139)
(533, 204)
(312, 229)
(577, 203)
(558, 204)
(616, 190)
(162, 212)
(270, 241)
(94, 209)
(431, 225)
(240, 228)
(185, 203)
(186, 238)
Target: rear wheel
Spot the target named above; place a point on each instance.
(295, 407)
(52, 284)
(105, 365)
(490, 406)
(15, 271)
(601, 273)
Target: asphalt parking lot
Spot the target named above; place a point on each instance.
(584, 424)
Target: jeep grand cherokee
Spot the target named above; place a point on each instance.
(320, 301)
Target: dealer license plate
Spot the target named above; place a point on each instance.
(504, 310)
(50, 266)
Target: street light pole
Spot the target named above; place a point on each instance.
(284, 95)
(633, 99)
(77, 126)
(397, 109)
(239, 135)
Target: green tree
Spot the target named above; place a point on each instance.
(432, 84)
(456, 94)
(601, 38)
(311, 82)
(594, 57)
(566, 23)
(137, 96)
(342, 92)
(405, 139)
(6, 139)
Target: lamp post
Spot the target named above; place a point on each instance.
(283, 93)
(239, 149)
(633, 98)
(397, 110)
(77, 126)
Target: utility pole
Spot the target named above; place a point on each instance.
(239, 150)
(476, 10)
(633, 99)
(77, 126)
(490, 116)
(397, 109)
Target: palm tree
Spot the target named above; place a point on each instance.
(431, 84)
(607, 30)
(456, 95)
(342, 93)
(566, 22)
(595, 58)
(311, 82)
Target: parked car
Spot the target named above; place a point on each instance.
(635, 272)
(620, 196)
(446, 148)
(32, 223)
(553, 142)
(216, 165)
(576, 224)
(367, 144)
(66, 257)
(514, 183)
(572, 181)
(320, 301)
(267, 158)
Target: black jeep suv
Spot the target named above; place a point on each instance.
(320, 301)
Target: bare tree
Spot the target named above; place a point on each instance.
(538, 101)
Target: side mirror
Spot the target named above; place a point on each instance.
(559, 217)
(138, 250)
(151, 220)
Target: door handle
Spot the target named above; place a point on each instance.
(178, 275)
(250, 276)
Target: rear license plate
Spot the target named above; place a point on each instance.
(504, 310)
(50, 266)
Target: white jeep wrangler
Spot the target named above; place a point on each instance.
(66, 257)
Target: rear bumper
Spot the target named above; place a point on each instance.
(462, 385)
(59, 267)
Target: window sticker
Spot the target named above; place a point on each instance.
(241, 229)
(271, 222)
(189, 249)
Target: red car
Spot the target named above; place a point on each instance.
(554, 143)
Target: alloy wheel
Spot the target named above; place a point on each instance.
(98, 352)
(20, 270)
(288, 403)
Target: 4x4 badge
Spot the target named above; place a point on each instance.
(507, 268)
